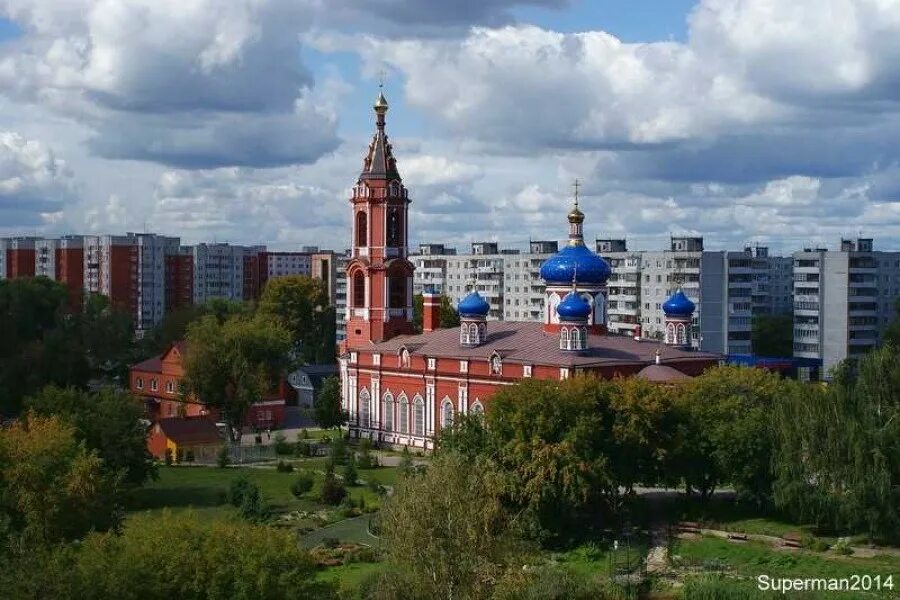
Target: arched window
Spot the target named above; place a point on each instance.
(681, 334)
(419, 416)
(496, 365)
(388, 419)
(395, 227)
(576, 339)
(359, 290)
(473, 334)
(447, 413)
(362, 229)
(463, 335)
(365, 412)
(670, 333)
(404, 358)
(397, 291)
(403, 415)
(477, 409)
(563, 339)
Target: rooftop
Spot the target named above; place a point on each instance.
(528, 343)
(190, 430)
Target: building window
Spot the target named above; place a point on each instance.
(139, 383)
(419, 417)
(496, 365)
(365, 412)
(153, 385)
(388, 419)
(403, 416)
(353, 357)
(404, 358)
(526, 371)
(362, 225)
(359, 290)
(170, 387)
(447, 414)
(431, 364)
(376, 359)
(564, 373)
(477, 408)
(463, 366)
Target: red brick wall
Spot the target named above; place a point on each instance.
(20, 262)
(179, 281)
(70, 271)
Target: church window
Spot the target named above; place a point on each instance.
(563, 339)
(403, 416)
(388, 419)
(359, 290)
(447, 414)
(419, 417)
(477, 408)
(362, 226)
(397, 292)
(496, 365)
(394, 228)
(404, 358)
(365, 412)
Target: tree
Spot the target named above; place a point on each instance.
(300, 304)
(448, 315)
(171, 555)
(233, 364)
(107, 335)
(555, 439)
(107, 421)
(51, 487)
(773, 335)
(467, 436)
(327, 407)
(891, 334)
(351, 477)
(448, 532)
(729, 439)
(841, 469)
(302, 485)
(175, 323)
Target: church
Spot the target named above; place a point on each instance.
(400, 387)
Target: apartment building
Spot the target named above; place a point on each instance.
(130, 270)
(219, 271)
(623, 306)
(340, 294)
(843, 301)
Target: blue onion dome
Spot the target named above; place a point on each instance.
(573, 308)
(678, 305)
(473, 305)
(575, 262)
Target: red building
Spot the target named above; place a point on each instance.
(402, 388)
(157, 380)
(20, 258)
(179, 273)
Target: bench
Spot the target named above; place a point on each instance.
(689, 527)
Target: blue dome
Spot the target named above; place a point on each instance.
(678, 305)
(575, 263)
(473, 305)
(573, 308)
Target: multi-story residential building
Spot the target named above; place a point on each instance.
(130, 270)
(20, 257)
(524, 290)
(4, 248)
(843, 301)
(431, 267)
(624, 306)
(219, 271)
(179, 272)
(340, 295)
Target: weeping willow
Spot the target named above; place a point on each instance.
(838, 459)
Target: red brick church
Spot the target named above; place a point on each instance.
(401, 388)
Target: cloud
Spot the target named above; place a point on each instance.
(194, 84)
(35, 185)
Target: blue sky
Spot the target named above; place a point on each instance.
(745, 121)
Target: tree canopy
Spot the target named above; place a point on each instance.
(300, 305)
(328, 410)
(772, 335)
(448, 315)
(232, 364)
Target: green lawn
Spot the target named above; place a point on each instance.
(349, 577)
(752, 559)
(205, 488)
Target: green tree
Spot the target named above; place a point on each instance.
(891, 335)
(107, 421)
(841, 469)
(107, 335)
(233, 364)
(175, 323)
(51, 487)
(555, 439)
(350, 475)
(327, 408)
(300, 304)
(438, 546)
(467, 436)
(729, 439)
(448, 315)
(773, 335)
(170, 555)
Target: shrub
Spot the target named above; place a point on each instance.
(842, 546)
(282, 447)
(284, 467)
(302, 485)
(253, 507)
(333, 491)
(406, 462)
(303, 449)
(168, 457)
(339, 450)
(351, 477)
(223, 458)
(240, 488)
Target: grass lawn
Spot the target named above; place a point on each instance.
(349, 577)
(205, 488)
(753, 559)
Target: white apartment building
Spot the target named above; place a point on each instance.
(843, 301)
(340, 295)
(219, 271)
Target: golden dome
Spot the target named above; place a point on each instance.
(381, 102)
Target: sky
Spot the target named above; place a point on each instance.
(744, 121)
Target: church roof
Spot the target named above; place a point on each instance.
(661, 374)
(528, 343)
(379, 162)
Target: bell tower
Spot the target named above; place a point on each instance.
(379, 274)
